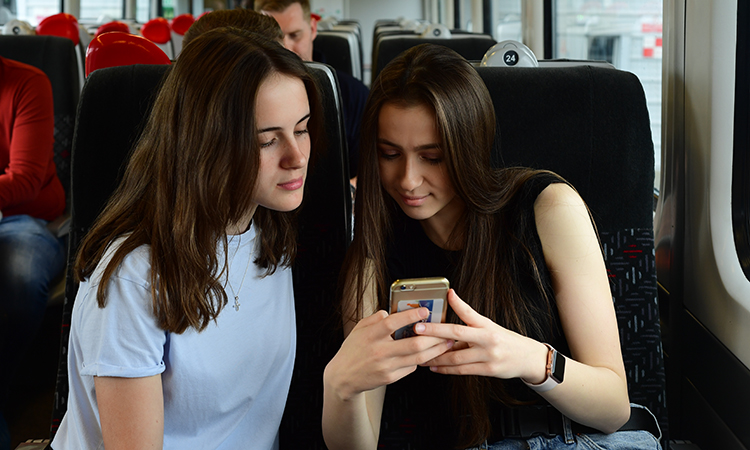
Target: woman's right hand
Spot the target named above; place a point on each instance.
(370, 357)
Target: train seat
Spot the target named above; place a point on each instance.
(179, 26)
(591, 126)
(355, 27)
(111, 114)
(114, 25)
(469, 45)
(341, 50)
(340, 41)
(17, 27)
(66, 26)
(509, 54)
(117, 48)
(158, 31)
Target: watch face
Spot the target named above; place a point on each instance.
(558, 367)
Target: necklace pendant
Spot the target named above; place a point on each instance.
(236, 302)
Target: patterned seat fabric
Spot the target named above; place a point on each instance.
(630, 262)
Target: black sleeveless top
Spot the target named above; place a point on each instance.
(417, 413)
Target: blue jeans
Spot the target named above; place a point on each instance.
(30, 258)
(620, 440)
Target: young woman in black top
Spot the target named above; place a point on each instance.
(517, 245)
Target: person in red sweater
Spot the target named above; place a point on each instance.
(31, 195)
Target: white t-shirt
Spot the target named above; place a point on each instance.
(224, 388)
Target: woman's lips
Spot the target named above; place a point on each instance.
(292, 185)
(413, 201)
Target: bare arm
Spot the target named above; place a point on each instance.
(131, 412)
(369, 359)
(595, 388)
(594, 391)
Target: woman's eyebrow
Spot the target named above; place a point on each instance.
(265, 130)
(419, 147)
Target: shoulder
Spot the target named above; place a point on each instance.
(556, 196)
(24, 84)
(135, 266)
(564, 224)
(21, 72)
(559, 209)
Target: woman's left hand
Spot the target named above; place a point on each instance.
(484, 348)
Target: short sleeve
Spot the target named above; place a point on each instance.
(122, 339)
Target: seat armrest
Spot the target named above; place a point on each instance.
(60, 226)
(35, 444)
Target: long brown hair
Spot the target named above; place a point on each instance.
(485, 277)
(192, 175)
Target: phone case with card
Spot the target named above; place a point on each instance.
(431, 293)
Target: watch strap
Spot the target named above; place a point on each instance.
(550, 381)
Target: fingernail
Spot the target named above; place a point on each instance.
(450, 343)
(424, 312)
(419, 327)
(433, 368)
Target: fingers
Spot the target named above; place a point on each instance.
(459, 357)
(423, 349)
(450, 331)
(380, 326)
(404, 318)
(466, 369)
(372, 319)
(464, 311)
(394, 321)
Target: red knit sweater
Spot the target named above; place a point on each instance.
(28, 178)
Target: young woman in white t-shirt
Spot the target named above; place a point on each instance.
(183, 330)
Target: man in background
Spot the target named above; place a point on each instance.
(300, 30)
(31, 196)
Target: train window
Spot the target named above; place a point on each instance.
(142, 8)
(167, 9)
(741, 163)
(32, 11)
(101, 11)
(505, 17)
(626, 34)
(463, 15)
(506, 20)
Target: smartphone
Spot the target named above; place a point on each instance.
(431, 293)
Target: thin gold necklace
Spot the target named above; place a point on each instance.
(235, 294)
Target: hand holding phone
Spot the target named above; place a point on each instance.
(431, 293)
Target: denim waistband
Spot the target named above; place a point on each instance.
(544, 420)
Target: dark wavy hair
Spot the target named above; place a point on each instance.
(192, 174)
(441, 80)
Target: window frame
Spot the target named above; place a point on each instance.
(741, 152)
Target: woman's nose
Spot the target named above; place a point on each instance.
(411, 178)
(295, 154)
